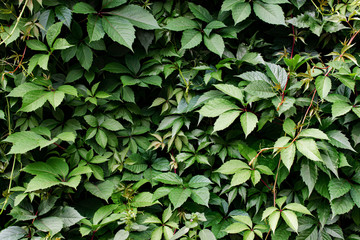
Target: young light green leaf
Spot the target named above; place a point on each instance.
(199, 181)
(201, 196)
(12, 233)
(226, 119)
(206, 234)
(61, 43)
(33, 100)
(248, 122)
(323, 86)
(169, 178)
(288, 156)
(42, 181)
(297, 208)
(232, 91)
(290, 219)
(216, 106)
(112, 125)
(236, 227)
(308, 148)
(273, 220)
(36, 45)
(232, 166)
(241, 11)
(240, 177)
(340, 108)
(314, 133)
(55, 98)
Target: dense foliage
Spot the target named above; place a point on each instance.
(138, 119)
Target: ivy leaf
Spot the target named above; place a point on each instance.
(181, 24)
(323, 86)
(240, 177)
(309, 174)
(94, 28)
(340, 108)
(201, 196)
(341, 205)
(338, 188)
(248, 122)
(119, 30)
(308, 148)
(225, 120)
(200, 12)
(137, 16)
(55, 98)
(85, 56)
(36, 45)
(102, 190)
(215, 43)
(338, 139)
(53, 32)
(190, 39)
(169, 178)
(269, 13)
(12, 233)
(64, 15)
(290, 219)
(241, 11)
(216, 106)
(178, 196)
(83, 8)
(260, 89)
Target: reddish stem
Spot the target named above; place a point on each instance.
(265, 184)
(62, 148)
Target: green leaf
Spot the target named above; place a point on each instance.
(290, 219)
(240, 177)
(190, 39)
(200, 12)
(288, 156)
(269, 13)
(12, 233)
(314, 133)
(49, 224)
(217, 106)
(232, 166)
(323, 86)
(91, 120)
(338, 139)
(169, 178)
(277, 74)
(226, 119)
(273, 220)
(201, 196)
(341, 205)
(61, 43)
(111, 4)
(121, 235)
(83, 8)
(289, 127)
(64, 15)
(24, 141)
(248, 122)
(338, 188)
(42, 181)
(53, 32)
(143, 199)
(101, 138)
(308, 148)
(340, 108)
(178, 196)
(55, 98)
(297, 208)
(137, 16)
(94, 28)
(241, 11)
(215, 43)
(236, 228)
(355, 194)
(260, 89)
(69, 216)
(232, 91)
(309, 174)
(102, 190)
(85, 56)
(24, 88)
(119, 30)
(68, 90)
(199, 181)
(112, 125)
(36, 45)
(67, 136)
(181, 24)
(206, 234)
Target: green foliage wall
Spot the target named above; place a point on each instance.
(139, 119)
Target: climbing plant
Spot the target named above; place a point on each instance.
(138, 119)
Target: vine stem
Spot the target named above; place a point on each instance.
(17, 22)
